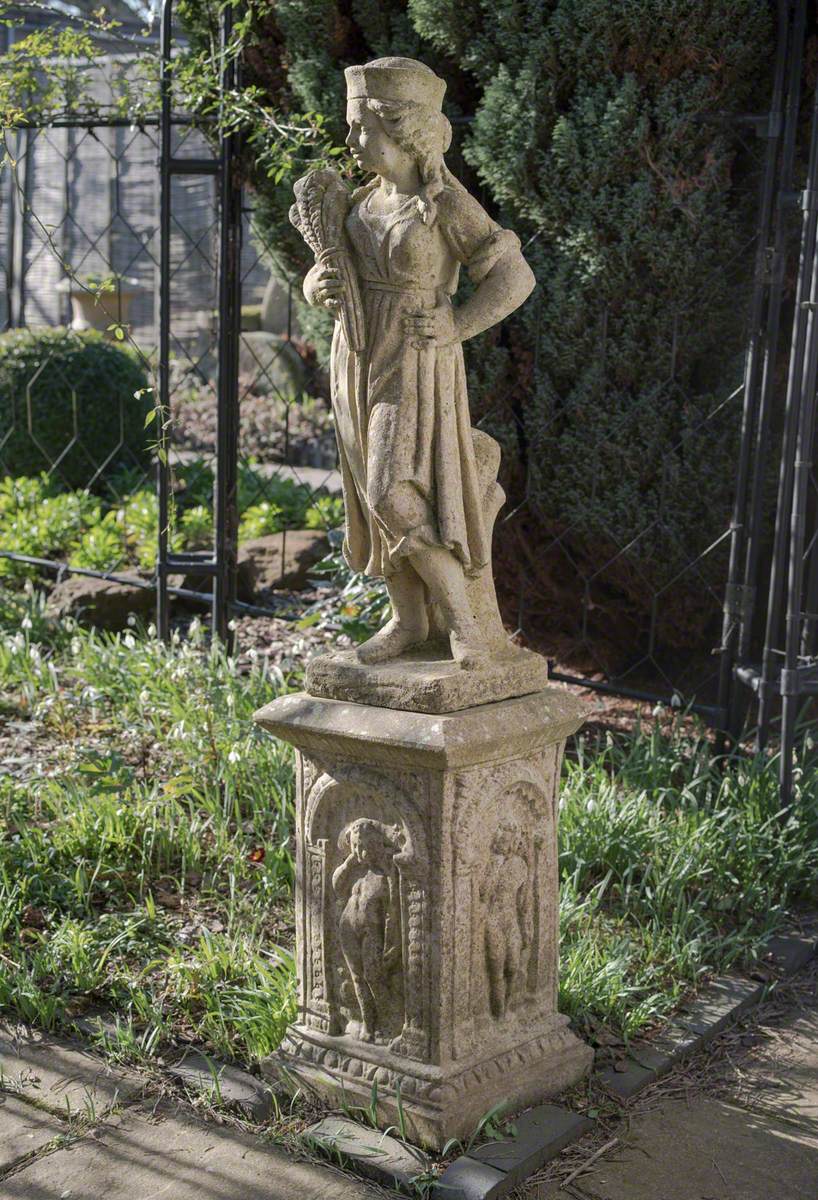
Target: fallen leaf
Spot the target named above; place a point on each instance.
(257, 855)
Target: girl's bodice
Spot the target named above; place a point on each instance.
(399, 248)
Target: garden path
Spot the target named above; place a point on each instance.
(744, 1128)
(72, 1128)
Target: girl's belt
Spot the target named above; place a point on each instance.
(400, 289)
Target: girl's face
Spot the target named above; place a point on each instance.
(372, 147)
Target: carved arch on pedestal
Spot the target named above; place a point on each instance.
(335, 799)
(520, 796)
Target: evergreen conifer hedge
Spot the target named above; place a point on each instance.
(602, 133)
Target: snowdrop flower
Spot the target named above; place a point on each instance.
(675, 700)
(26, 623)
(234, 756)
(129, 640)
(76, 646)
(194, 628)
(658, 710)
(144, 696)
(151, 630)
(590, 805)
(131, 619)
(562, 803)
(231, 625)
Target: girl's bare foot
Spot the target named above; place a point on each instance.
(469, 650)
(391, 641)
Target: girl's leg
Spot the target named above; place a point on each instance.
(444, 577)
(409, 623)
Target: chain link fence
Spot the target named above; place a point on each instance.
(79, 246)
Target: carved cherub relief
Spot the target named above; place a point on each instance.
(505, 893)
(366, 884)
(419, 492)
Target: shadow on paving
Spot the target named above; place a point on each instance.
(174, 1158)
(743, 1128)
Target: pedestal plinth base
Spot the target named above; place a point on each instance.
(435, 1104)
(427, 907)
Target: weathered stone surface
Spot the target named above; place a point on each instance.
(279, 560)
(427, 907)
(23, 1129)
(426, 679)
(60, 1073)
(172, 1156)
(469, 1179)
(99, 601)
(420, 485)
(376, 1155)
(227, 1083)
(276, 312)
(271, 364)
(720, 1003)
(539, 1135)
(705, 1147)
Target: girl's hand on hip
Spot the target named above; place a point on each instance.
(431, 326)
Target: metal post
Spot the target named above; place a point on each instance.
(163, 300)
(792, 420)
(777, 265)
(226, 499)
(802, 466)
(738, 604)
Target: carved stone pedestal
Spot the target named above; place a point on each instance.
(427, 907)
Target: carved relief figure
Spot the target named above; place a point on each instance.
(507, 913)
(366, 883)
(415, 505)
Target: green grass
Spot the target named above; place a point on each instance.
(118, 529)
(146, 855)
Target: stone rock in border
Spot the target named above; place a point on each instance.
(261, 566)
(99, 601)
(272, 364)
(370, 1152)
(227, 1083)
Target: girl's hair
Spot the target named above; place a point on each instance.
(426, 135)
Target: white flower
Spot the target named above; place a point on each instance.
(590, 805)
(76, 646)
(675, 700)
(144, 696)
(131, 619)
(151, 630)
(234, 756)
(195, 628)
(26, 623)
(562, 803)
(658, 710)
(129, 641)
(231, 625)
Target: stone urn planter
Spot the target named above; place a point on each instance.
(97, 310)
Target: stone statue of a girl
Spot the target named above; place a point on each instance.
(415, 510)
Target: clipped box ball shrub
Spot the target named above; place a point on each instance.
(68, 404)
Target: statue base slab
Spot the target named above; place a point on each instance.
(427, 908)
(426, 679)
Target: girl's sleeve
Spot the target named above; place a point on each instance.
(476, 241)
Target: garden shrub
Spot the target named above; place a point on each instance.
(602, 134)
(61, 386)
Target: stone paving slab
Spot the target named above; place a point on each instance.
(707, 1150)
(175, 1158)
(61, 1074)
(24, 1129)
